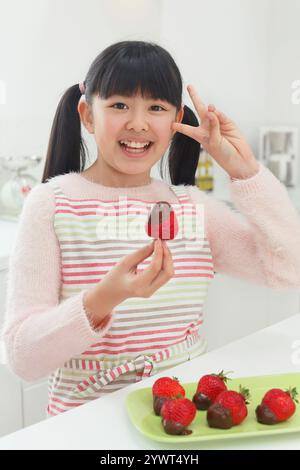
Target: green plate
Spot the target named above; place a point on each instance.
(140, 410)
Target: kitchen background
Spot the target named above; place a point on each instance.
(242, 55)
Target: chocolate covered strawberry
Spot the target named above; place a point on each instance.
(229, 409)
(163, 389)
(277, 405)
(177, 415)
(162, 222)
(208, 388)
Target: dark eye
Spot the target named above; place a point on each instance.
(157, 106)
(118, 103)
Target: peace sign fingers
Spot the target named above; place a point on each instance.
(197, 133)
(199, 105)
(200, 133)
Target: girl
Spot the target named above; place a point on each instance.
(84, 302)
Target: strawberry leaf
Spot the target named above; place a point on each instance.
(292, 391)
(245, 393)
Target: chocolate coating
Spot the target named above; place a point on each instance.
(171, 427)
(158, 403)
(162, 221)
(264, 415)
(219, 417)
(201, 401)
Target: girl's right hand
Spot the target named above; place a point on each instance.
(123, 280)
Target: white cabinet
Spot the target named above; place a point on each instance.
(35, 399)
(21, 403)
(11, 409)
(235, 308)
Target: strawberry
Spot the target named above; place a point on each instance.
(177, 415)
(162, 222)
(228, 409)
(277, 405)
(208, 388)
(165, 388)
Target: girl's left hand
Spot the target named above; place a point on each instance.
(221, 138)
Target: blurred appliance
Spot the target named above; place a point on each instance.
(16, 188)
(278, 151)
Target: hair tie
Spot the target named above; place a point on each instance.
(82, 87)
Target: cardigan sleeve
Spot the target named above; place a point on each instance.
(264, 248)
(41, 333)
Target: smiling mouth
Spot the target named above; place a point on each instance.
(135, 152)
(136, 148)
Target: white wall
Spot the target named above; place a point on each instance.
(221, 47)
(283, 64)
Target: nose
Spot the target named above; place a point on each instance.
(137, 122)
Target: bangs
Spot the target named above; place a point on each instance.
(140, 70)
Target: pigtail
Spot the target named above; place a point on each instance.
(184, 153)
(66, 149)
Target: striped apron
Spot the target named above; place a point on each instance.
(147, 335)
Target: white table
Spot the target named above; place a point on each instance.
(104, 424)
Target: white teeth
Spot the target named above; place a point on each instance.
(134, 144)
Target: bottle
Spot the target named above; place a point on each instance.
(204, 174)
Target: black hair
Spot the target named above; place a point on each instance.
(124, 68)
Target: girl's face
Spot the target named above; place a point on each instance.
(135, 118)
